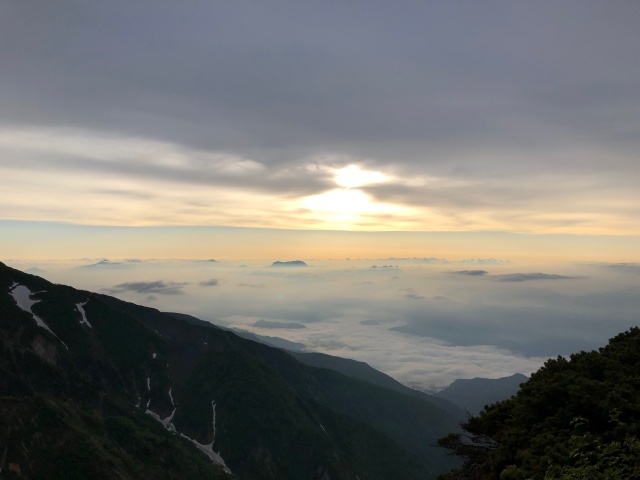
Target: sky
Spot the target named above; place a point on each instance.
(410, 116)
(282, 130)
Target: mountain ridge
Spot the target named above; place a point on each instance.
(474, 394)
(116, 368)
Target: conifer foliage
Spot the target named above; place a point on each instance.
(576, 418)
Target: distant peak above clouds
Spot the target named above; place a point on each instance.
(418, 260)
(485, 261)
(105, 263)
(290, 263)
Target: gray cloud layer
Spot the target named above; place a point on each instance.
(472, 273)
(414, 76)
(496, 98)
(269, 324)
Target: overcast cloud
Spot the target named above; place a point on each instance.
(470, 116)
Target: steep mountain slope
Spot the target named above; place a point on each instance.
(364, 372)
(116, 390)
(415, 423)
(474, 394)
(271, 341)
(68, 384)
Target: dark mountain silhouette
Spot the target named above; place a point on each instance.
(473, 394)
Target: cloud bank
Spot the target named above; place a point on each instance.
(418, 323)
(269, 324)
(471, 273)
(526, 277)
(157, 287)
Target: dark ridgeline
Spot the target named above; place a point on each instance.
(473, 394)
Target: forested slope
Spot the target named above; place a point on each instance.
(576, 418)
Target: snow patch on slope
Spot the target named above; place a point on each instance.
(22, 296)
(166, 422)
(208, 451)
(84, 321)
(208, 448)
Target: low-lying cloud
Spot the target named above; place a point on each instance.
(412, 294)
(525, 277)
(628, 267)
(472, 273)
(157, 287)
(270, 324)
(421, 326)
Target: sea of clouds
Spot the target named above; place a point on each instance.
(424, 321)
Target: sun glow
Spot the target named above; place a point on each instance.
(342, 201)
(353, 176)
(346, 208)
